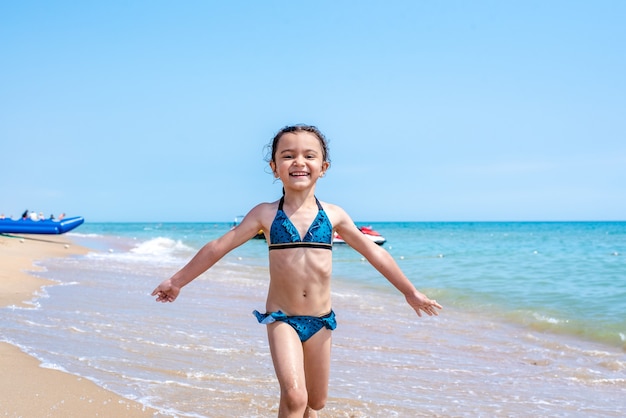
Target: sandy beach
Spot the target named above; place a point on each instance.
(108, 349)
(26, 388)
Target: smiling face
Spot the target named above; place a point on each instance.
(298, 160)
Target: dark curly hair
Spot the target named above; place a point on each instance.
(271, 147)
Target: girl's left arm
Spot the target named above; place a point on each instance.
(382, 261)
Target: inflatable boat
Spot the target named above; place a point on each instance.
(44, 226)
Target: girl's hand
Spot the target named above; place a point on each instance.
(166, 292)
(420, 302)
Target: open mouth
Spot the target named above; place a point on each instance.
(299, 174)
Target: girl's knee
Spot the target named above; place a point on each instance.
(295, 399)
(317, 404)
(317, 399)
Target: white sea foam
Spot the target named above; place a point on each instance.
(75, 329)
(161, 246)
(53, 367)
(78, 234)
(153, 252)
(31, 306)
(548, 319)
(386, 361)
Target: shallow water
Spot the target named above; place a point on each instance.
(511, 342)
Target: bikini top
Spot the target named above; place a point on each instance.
(283, 234)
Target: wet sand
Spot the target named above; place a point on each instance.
(26, 388)
(386, 362)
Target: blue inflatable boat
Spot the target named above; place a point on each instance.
(46, 226)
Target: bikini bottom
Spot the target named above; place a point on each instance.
(305, 326)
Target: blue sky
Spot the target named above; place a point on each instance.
(435, 110)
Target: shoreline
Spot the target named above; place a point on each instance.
(517, 369)
(26, 388)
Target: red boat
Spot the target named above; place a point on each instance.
(368, 232)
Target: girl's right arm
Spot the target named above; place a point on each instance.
(210, 254)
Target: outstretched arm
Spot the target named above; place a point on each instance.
(382, 261)
(208, 255)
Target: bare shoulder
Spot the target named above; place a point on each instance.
(264, 207)
(337, 215)
(257, 219)
(345, 226)
(262, 212)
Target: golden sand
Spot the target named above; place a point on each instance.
(27, 389)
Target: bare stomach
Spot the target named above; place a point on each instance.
(302, 302)
(297, 289)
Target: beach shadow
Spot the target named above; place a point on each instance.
(29, 237)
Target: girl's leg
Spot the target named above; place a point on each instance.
(317, 369)
(288, 358)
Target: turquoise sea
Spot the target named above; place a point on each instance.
(534, 322)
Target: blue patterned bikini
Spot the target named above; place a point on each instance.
(305, 326)
(283, 234)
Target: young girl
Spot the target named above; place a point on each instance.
(299, 230)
